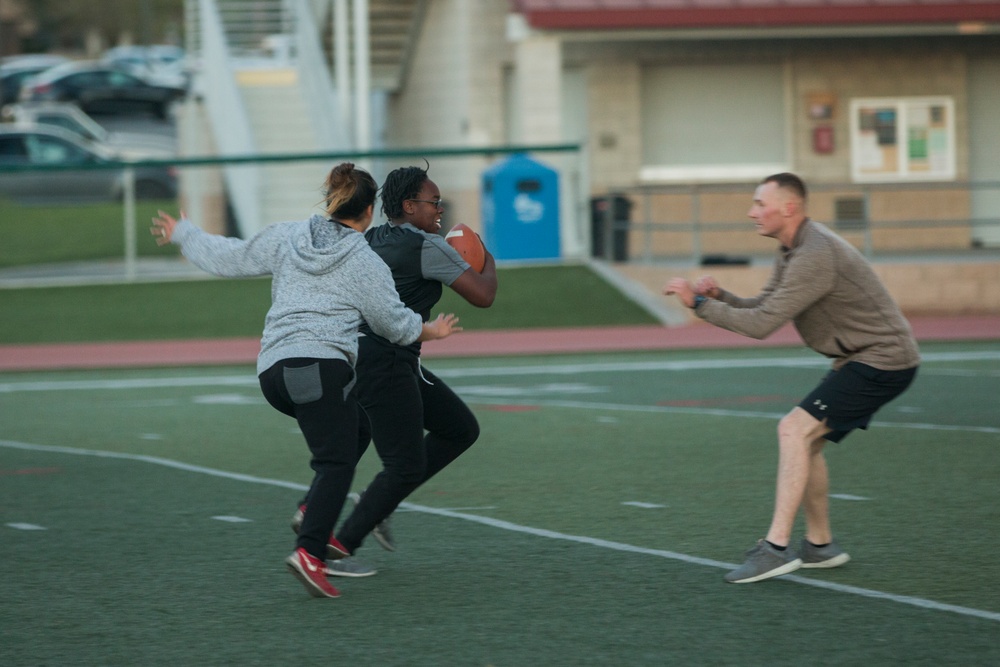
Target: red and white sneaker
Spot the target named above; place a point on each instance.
(312, 573)
(334, 549)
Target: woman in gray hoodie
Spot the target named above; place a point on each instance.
(326, 280)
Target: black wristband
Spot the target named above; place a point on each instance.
(698, 300)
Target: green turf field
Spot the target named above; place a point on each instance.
(144, 519)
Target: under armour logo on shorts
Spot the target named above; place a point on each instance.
(820, 404)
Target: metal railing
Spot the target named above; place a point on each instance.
(231, 123)
(317, 85)
(699, 222)
(575, 197)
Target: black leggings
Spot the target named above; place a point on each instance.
(401, 401)
(319, 394)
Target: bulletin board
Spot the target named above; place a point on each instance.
(903, 139)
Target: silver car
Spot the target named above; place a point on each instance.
(70, 117)
(34, 144)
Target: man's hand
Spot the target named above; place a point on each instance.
(707, 286)
(682, 289)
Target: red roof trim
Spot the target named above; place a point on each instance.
(760, 16)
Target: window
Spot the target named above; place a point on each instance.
(50, 150)
(121, 80)
(713, 122)
(903, 139)
(12, 150)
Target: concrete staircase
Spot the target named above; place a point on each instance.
(393, 26)
(279, 83)
(276, 107)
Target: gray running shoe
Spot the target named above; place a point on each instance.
(300, 513)
(763, 562)
(348, 567)
(829, 556)
(382, 532)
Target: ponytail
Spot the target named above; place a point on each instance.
(349, 192)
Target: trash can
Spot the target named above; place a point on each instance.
(609, 226)
(520, 209)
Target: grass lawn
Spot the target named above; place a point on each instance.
(550, 296)
(49, 234)
(556, 296)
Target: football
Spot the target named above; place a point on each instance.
(469, 246)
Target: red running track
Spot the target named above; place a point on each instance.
(466, 344)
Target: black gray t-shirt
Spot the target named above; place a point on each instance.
(420, 263)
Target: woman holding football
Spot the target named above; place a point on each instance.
(401, 398)
(325, 281)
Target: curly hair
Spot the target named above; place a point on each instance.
(349, 191)
(401, 184)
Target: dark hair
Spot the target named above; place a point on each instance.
(349, 191)
(788, 182)
(401, 184)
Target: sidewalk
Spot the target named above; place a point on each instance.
(103, 272)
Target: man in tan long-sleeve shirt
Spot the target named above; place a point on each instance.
(843, 311)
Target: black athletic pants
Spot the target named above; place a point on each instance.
(402, 401)
(319, 394)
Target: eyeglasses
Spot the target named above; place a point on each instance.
(438, 203)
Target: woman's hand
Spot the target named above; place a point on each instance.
(440, 327)
(163, 227)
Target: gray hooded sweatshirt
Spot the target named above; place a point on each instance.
(325, 282)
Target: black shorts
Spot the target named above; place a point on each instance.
(847, 398)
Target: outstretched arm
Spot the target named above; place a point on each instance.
(219, 255)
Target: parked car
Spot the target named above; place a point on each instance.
(34, 144)
(72, 118)
(158, 63)
(15, 70)
(100, 88)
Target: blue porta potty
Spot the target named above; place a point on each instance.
(520, 208)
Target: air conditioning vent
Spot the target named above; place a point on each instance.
(850, 213)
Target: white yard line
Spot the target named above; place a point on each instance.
(506, 525)
(550, 369)
(812, 361)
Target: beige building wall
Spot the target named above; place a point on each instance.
(467, 55)
(876, 73)
(940, 288)
(614, 98)
(615, 131)
(453, 97)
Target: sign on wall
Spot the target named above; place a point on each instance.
(903, 139)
